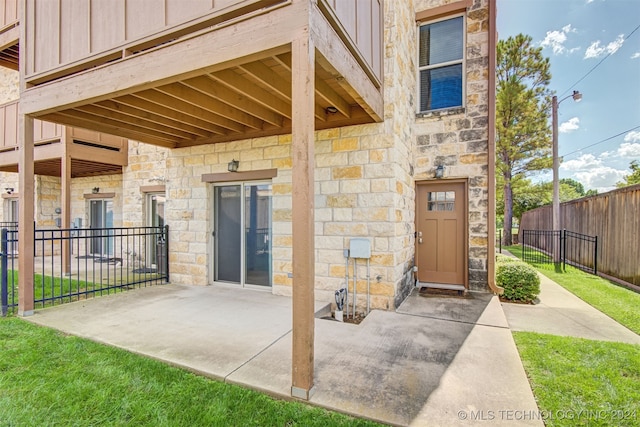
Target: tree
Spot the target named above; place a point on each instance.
(577, 186)
(523, 142)
(633, 177)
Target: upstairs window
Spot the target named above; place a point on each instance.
(441, 60)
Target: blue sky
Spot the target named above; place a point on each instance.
(576, 35)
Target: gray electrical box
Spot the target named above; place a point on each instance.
(360, 248)
(77, 223)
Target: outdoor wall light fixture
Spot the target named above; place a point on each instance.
(439, 171)
(9, 190)
(95, 190)
(331, 109)
(232, 166)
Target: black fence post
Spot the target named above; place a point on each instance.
(563, 249)
(4, 283)
(595, 256)
(166, 252)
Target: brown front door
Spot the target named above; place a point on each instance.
(440, 232)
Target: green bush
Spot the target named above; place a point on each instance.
(505, 259)
(519, 280)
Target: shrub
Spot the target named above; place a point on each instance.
(505, 259)
(519, 280)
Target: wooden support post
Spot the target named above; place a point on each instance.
(303, 71)
(65, 177)
(26, 225)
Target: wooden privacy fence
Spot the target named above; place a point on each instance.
(614, 217)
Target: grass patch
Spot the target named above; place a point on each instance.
(49, 290)
(582, 382)
(617, 302)
(49, 378)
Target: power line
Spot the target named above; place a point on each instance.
(600, 142)
(598, 64)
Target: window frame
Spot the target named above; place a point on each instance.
(461, 61)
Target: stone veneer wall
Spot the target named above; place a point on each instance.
(9, 85)
(458, 139)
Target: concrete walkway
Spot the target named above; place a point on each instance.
(436, 361)
(559, 312)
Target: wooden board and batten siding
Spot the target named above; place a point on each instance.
(8, 13)
(42, 131)
(360, 22)
(613, 217)
(70, 35)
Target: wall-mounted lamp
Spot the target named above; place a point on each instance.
(9, 190)
(95, 190)
(439, 171)
(331, 109)
(232, 166)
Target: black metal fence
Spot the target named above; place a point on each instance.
(75, 264)
(575, 249)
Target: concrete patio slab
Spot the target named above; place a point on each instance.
(406, 368)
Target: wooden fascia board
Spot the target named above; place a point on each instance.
(440, 11)
(336, 58)
(209, 52)
(91, 154)
(9, 37)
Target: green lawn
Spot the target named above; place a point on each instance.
(582, 382)
(69, 289)
(49, 378)
(615, 301)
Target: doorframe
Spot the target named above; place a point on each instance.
(465, 182)
(211, 228)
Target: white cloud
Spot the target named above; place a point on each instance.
(570, 125)
(629, 149)
(602, 179)
(595, 50)
(635, 55)
(555, 39)
(583, 162)
(592, 173)
(633, 136)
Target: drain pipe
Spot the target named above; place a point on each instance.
(368, 287)
(355, 286)
(346, 281)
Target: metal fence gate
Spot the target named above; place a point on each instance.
(578, 250)
(128, 257)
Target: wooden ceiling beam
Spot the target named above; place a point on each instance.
(101, 113)
(155, 118)
(161, 110)
(243, 86)
(190, 109)
(331, 97)
(73, 120)
(210, 104)
(237, 100)
(268, 77)
(322, 89)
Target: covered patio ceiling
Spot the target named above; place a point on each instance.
(252, 99)
(79, 168)
(10, 56)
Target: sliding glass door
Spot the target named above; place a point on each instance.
(242, 233)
